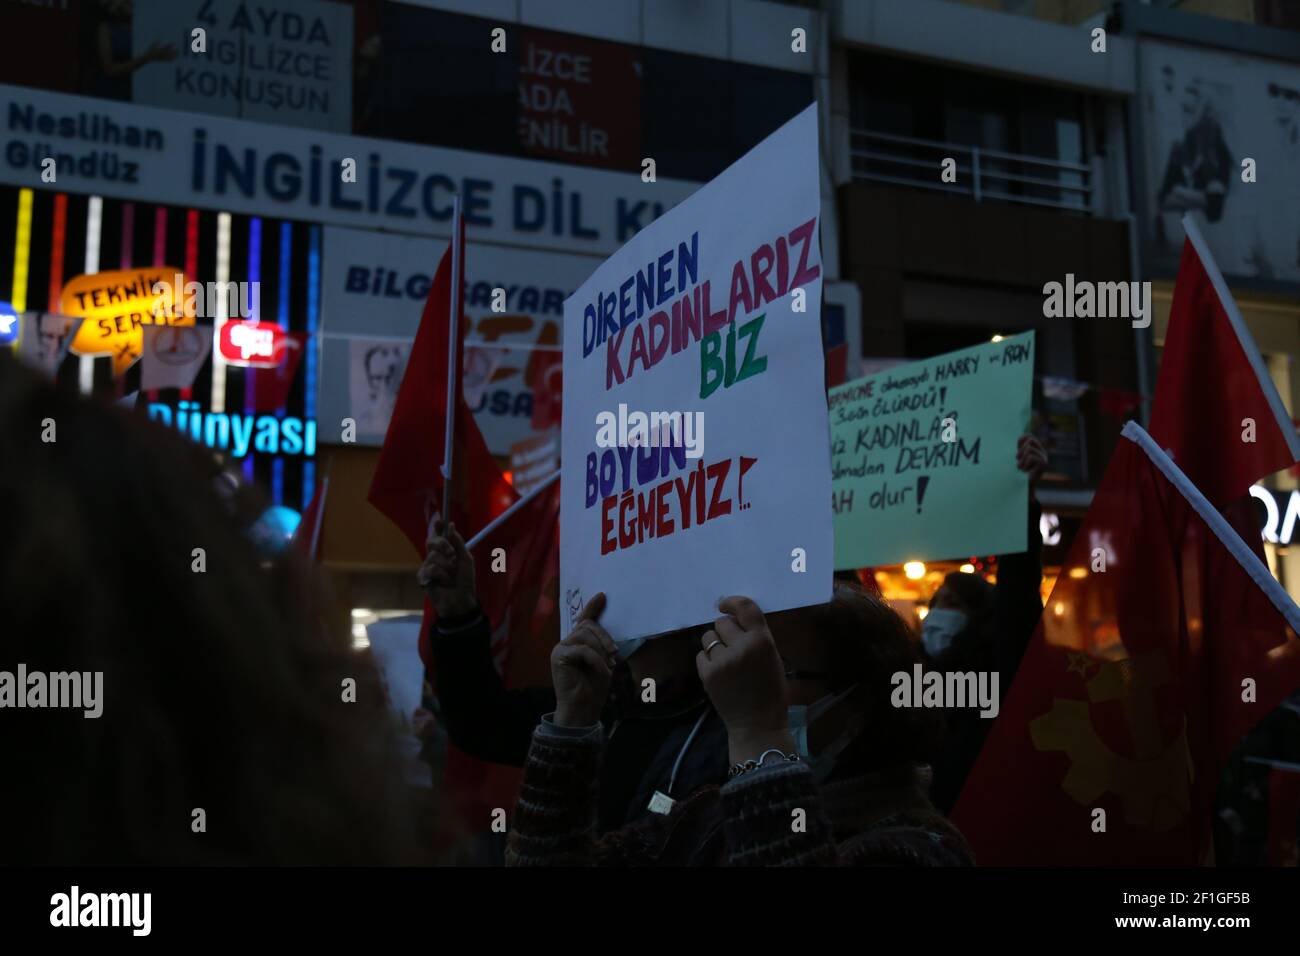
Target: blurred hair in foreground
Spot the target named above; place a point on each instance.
(222, 689)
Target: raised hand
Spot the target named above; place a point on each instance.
(745, 679)
(1031, 457)
(581, 666)
(447, 574)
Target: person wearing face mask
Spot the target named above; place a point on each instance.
(960, 609)
(823, 769)
(974, 626)
(942, 624)
(659, 750)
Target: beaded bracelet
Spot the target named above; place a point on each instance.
(748, 765)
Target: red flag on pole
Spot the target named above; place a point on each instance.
(432, 428)
(434, 458)
(1215, 409)
(517, 574)
(517, 565)
(523, 602)
(1133, 689)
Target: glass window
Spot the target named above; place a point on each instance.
(906, 116)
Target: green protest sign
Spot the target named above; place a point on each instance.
(923, 457)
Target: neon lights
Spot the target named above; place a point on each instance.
(241, 435)
(60, 234)
(218, 402)
(282, 315)
(94, 223)
(309, 382)
(22, 250)
(128, 234)
(9, 323)
(253, 345)
(192, 242)
(160, 236)
(254, 316)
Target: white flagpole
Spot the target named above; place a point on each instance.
(1255, 569)
(500, 519)
(1275, 764)
(453, 368)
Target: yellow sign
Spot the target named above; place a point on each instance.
(117, 305)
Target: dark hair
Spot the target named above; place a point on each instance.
(869, 643)
(222, 688)
(975, 592)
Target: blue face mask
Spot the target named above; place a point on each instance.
(802, 716)
(939, 629)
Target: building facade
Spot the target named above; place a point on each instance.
(958, 179)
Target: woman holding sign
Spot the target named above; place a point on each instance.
(661, 751)
(823, 769)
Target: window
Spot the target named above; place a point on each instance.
(1025, 140)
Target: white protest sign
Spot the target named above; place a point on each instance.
(695, 435)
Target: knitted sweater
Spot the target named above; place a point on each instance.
(773, 816)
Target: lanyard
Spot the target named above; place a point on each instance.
(663, 802)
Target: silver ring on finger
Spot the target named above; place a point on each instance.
(711, 646)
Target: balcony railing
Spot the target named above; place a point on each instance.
(982, 174)
(1068, 11)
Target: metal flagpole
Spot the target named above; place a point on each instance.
(499, 519)
(320, 512)
(453, 367)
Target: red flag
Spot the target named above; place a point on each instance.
(271, 385)
(1283, 814)
(1119, 403)
(306, 538)
(408, 484)
(1134, 687)
(520, 599)
(1215, 407)
(523, 606)
(544, 375)
(517, 573)
(523, 602)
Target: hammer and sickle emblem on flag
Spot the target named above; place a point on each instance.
(1154, 784)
